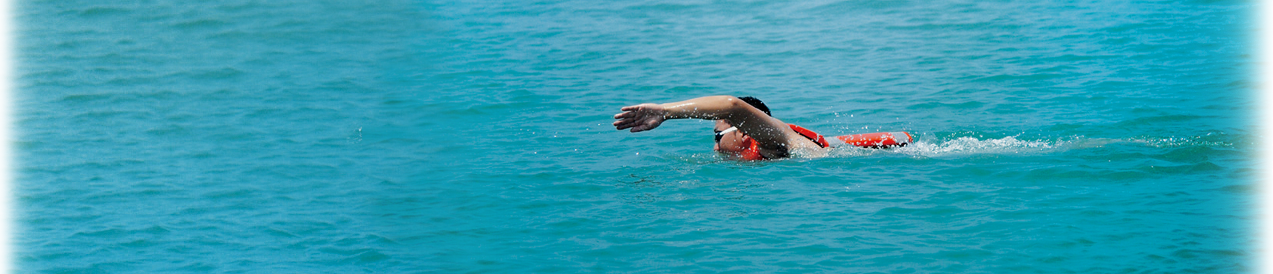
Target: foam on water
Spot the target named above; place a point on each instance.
(970, 145)
(1208, 140)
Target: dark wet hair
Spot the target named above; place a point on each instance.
(756, 103)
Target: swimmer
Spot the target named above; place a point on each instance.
(744, 127)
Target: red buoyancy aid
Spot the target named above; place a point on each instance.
(751, 151)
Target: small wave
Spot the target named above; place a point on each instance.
(210, 74)
(103, 11)
(28, 144)
(935, 105)
(201, 23)
(662, 7)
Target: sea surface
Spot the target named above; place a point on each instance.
(316, 136)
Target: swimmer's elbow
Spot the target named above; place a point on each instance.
(734, 104)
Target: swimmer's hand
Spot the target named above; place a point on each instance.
(640, 117)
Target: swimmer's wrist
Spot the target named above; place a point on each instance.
(679, 110)
(668, 111)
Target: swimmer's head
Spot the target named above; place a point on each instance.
(728, 138)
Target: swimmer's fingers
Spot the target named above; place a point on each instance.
(626, 123)
(631, 108)
(623, 124)
(625, 120)
(630, 112)
(635, 125)
(625, 114)
(628, 118)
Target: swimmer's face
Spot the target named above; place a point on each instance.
(729, 142)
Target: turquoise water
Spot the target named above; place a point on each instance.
(415, 136)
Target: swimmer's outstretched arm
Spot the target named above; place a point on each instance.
(748, 119)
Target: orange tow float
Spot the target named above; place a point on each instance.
(878, 139)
